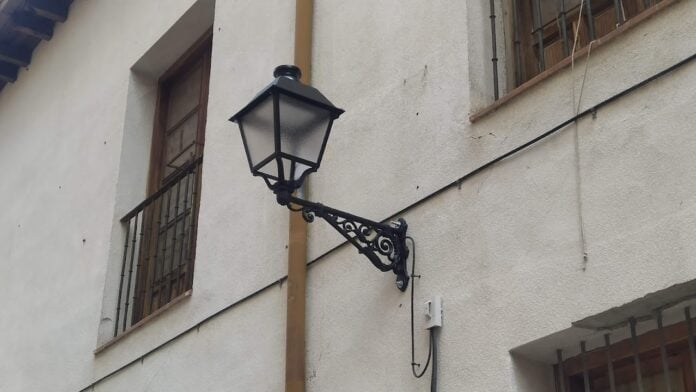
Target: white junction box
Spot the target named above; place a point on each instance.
(433, 312)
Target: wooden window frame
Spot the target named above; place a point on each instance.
(676, 343)
(200, 51)
(580, 52)
(603, 11)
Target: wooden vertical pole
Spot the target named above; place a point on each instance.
(303, 38)
(295, 329)
(297, 247)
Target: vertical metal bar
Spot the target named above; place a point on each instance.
(183, 236)
(164, 246)
(130, 272)
(610, 365)
(539, 31)
(590, 19)
(192, 231)
(172, 273)
(564, 29)
(276, 133)
(585, 374)
(156, 258)
(120, 287)
(146, 265)
(138, 267)
(636, 357)
(647, 3)
(690, 329)
(618, 13)
(561, 371)
(495, 51)
(518, 54)
(663, 353)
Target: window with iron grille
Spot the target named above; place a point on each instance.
(160, 240)
(546, 31)
(660, 359)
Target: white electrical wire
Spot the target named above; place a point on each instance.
(576, 108)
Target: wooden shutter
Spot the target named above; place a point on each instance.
(165, 270)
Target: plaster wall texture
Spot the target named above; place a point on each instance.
(504, 249)
(62, 126)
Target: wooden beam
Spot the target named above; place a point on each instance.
(15, 55)
(296, 305)
(55, 10)
(297, 247)
(8, 72)
(304, 23)
(33, 25)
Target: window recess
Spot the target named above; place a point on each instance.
(160, 232)
(642, 354)
(646, 345)
(544, 32)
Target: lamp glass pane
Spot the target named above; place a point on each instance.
(299, 170)
(302, 128)
(257, 126)
(293, 173)
(270, 169)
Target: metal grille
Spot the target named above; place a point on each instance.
(545, 31)
(660, 360)
(159, 248)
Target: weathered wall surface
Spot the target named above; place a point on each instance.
(61, 133)
(504, 249)
(60, 137)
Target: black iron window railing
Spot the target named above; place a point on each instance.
(159, 248)
(662, 359)
(544, 32)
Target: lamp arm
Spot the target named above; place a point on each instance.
(383, 244)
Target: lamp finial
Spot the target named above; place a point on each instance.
(291, 71)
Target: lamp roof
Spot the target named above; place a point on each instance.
(287, 82)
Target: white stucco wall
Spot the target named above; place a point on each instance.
(504, 249)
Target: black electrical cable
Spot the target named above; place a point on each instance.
(411, 206)
(431, 346)
(413, 344)
(592, 110)
(433, 371)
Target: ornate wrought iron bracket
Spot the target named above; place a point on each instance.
(383, 244)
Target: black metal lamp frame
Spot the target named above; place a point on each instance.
(383, 244)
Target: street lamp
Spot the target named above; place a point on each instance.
(285, 128)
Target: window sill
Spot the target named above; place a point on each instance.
(142, 322)
(567, 61)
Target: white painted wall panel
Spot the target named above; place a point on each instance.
(503, 250)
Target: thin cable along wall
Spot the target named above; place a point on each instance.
(159, 248)
(544, 32)
(452, 185)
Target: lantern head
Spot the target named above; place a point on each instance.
(285, 128)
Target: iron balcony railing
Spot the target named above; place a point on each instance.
(159, 248)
